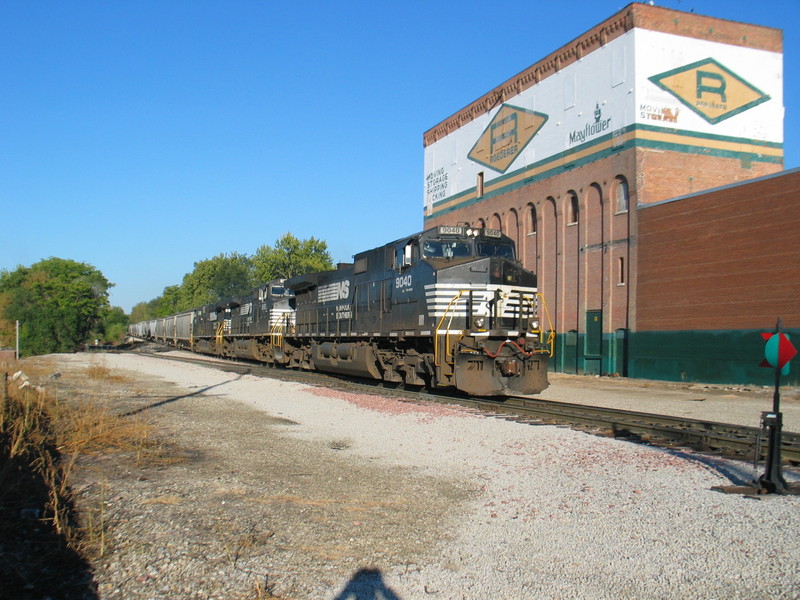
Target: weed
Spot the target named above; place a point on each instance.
(98, 372)
(42, 437)
(264, 590)
(95, 527)
(103, 373)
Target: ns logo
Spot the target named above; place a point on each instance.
(337, 291)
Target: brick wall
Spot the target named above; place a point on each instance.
(663, 174)
(706, 28)
(572, 275)
(724, 259)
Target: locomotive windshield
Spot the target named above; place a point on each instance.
(496, 249)
(466, 249)
(446, 249)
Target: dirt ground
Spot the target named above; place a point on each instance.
(228, 506)
(225, 503)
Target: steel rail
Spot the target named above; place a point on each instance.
(724, 438)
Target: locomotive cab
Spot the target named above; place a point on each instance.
(462, 290)
(484, 311)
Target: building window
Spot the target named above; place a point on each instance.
(621, 271)
(479, 184)
(572, 209)
(623, 194)
(531, 219)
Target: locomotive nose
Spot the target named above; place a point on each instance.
(505, 272)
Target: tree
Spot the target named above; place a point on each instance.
(214, 279)
(58, 301)
(144, 311)
(113, 325)
(169, 302)
(228, 275)
(291, 257)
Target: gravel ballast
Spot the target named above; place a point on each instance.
(315, 493)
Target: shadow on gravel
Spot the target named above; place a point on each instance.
(736, 474)
(141, 409)
(35, 561)
(367, 584)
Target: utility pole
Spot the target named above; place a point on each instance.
(16, 355)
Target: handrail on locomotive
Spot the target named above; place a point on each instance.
(523, 316)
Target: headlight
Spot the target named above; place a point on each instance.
(480, 322)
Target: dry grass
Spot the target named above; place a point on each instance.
(89, 427)
(101, 372)
(45, 430)
(43, 435)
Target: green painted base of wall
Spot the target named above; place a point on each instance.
(723, 357)
(706, 356)
(570, 355)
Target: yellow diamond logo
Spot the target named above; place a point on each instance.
(506, 136)
(711, 90)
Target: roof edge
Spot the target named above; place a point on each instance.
(795, 170)
(635, 15)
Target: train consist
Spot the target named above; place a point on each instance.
(447, 308)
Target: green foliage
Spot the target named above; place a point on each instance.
(214, 279)
(228, 275)
(169, 302)
(113, 325)
(58, 301)
(291, 257)
(144, 311)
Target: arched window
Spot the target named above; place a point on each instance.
(496, 222)
(481, 223)
(513, 228)
(622, 193)
(531, 219)
(572, 208)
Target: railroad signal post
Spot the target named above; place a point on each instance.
(778, 352)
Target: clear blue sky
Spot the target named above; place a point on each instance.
(143, 136)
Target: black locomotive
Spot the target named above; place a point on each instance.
(448, 308)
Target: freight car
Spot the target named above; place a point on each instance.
(447, 308)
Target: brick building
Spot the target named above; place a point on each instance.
(649, 105)
(716, 269)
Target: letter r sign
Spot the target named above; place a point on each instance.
(702, 87)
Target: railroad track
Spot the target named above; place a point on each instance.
(721, 438)
(663, 430)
